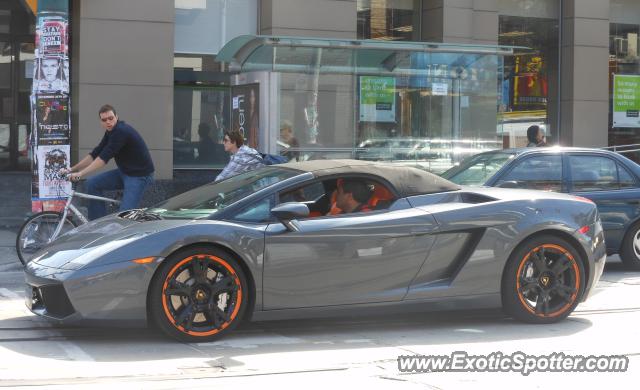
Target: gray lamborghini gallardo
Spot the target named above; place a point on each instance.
(274, 243)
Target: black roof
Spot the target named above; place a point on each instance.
(407, 181)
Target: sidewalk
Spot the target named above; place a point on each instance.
(8, 257)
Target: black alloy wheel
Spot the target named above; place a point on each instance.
(198, 295)
(543, 280)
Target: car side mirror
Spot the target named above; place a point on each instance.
(508, 184)
(288, 213)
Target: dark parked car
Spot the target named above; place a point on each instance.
(261, 246)
(609, 179)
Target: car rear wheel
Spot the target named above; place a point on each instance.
(543, 280)
(630, 251)
(198, 294)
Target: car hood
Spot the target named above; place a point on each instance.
(96, 238)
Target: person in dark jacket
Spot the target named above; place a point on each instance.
(135, 167)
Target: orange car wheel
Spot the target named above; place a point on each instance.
(543, 280)
(198, 295)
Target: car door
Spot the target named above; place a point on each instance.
(611, 186)
(543, 171)
(346, 259)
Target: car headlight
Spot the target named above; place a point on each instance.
(103, 249)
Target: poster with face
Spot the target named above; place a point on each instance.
(52, 118)
(245, 108)
(51, 159)
(49, 75)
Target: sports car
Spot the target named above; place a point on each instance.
(609, 179)
(274, 244)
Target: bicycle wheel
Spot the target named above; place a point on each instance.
(36, 232)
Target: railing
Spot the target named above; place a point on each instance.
(624, 148)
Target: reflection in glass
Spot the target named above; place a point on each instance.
(528, 90)
(6, 105)
(204, 26)
(424, 109)
(624, 59)
(208, 199)
(4, 145)
(477, 169)
(199, 122)
(389, 20)
(5, 20)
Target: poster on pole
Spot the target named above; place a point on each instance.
(377, 99)
(626, 100)
(50, 107)
(52, 158)
(52, 118)
(245, 112)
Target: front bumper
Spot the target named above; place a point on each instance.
(46, 296)
(114, 293)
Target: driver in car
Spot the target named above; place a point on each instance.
(352, 196)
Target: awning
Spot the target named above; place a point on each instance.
(32, 5)
(294, 54)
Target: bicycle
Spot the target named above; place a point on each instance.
(44, 227)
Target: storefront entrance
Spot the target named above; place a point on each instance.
(16, 73)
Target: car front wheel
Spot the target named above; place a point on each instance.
(543, 280)
(198, 294)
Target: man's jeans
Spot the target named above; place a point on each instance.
(134, 187)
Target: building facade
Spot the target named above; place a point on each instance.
(156, 62)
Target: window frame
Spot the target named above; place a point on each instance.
(517, 161)
(368, 177)
(618, 164)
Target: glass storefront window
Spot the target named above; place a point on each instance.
(16, 72)
(389, 19)
(528, 91)
(204, 26)
(426, 109)
(624, 64)
(201, 92)
(199, 121)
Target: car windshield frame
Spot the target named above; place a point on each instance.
(205, 201)
(498, 159)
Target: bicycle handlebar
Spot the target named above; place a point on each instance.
(65, 176)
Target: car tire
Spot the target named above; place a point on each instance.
(543, 280)
(198, 294)
(630, 250)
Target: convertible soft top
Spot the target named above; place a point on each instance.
(407, 181)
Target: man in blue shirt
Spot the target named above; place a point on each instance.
(135, 167)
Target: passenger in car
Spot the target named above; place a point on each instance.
(352, 196)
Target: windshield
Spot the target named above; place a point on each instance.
(203, 201)
(476, 170)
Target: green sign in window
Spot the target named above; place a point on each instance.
(377, 99)
(626, 100)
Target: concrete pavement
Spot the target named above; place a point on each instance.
(327, 353)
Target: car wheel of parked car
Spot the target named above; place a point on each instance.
(543, 280)
(630, 251)
(198, 294)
